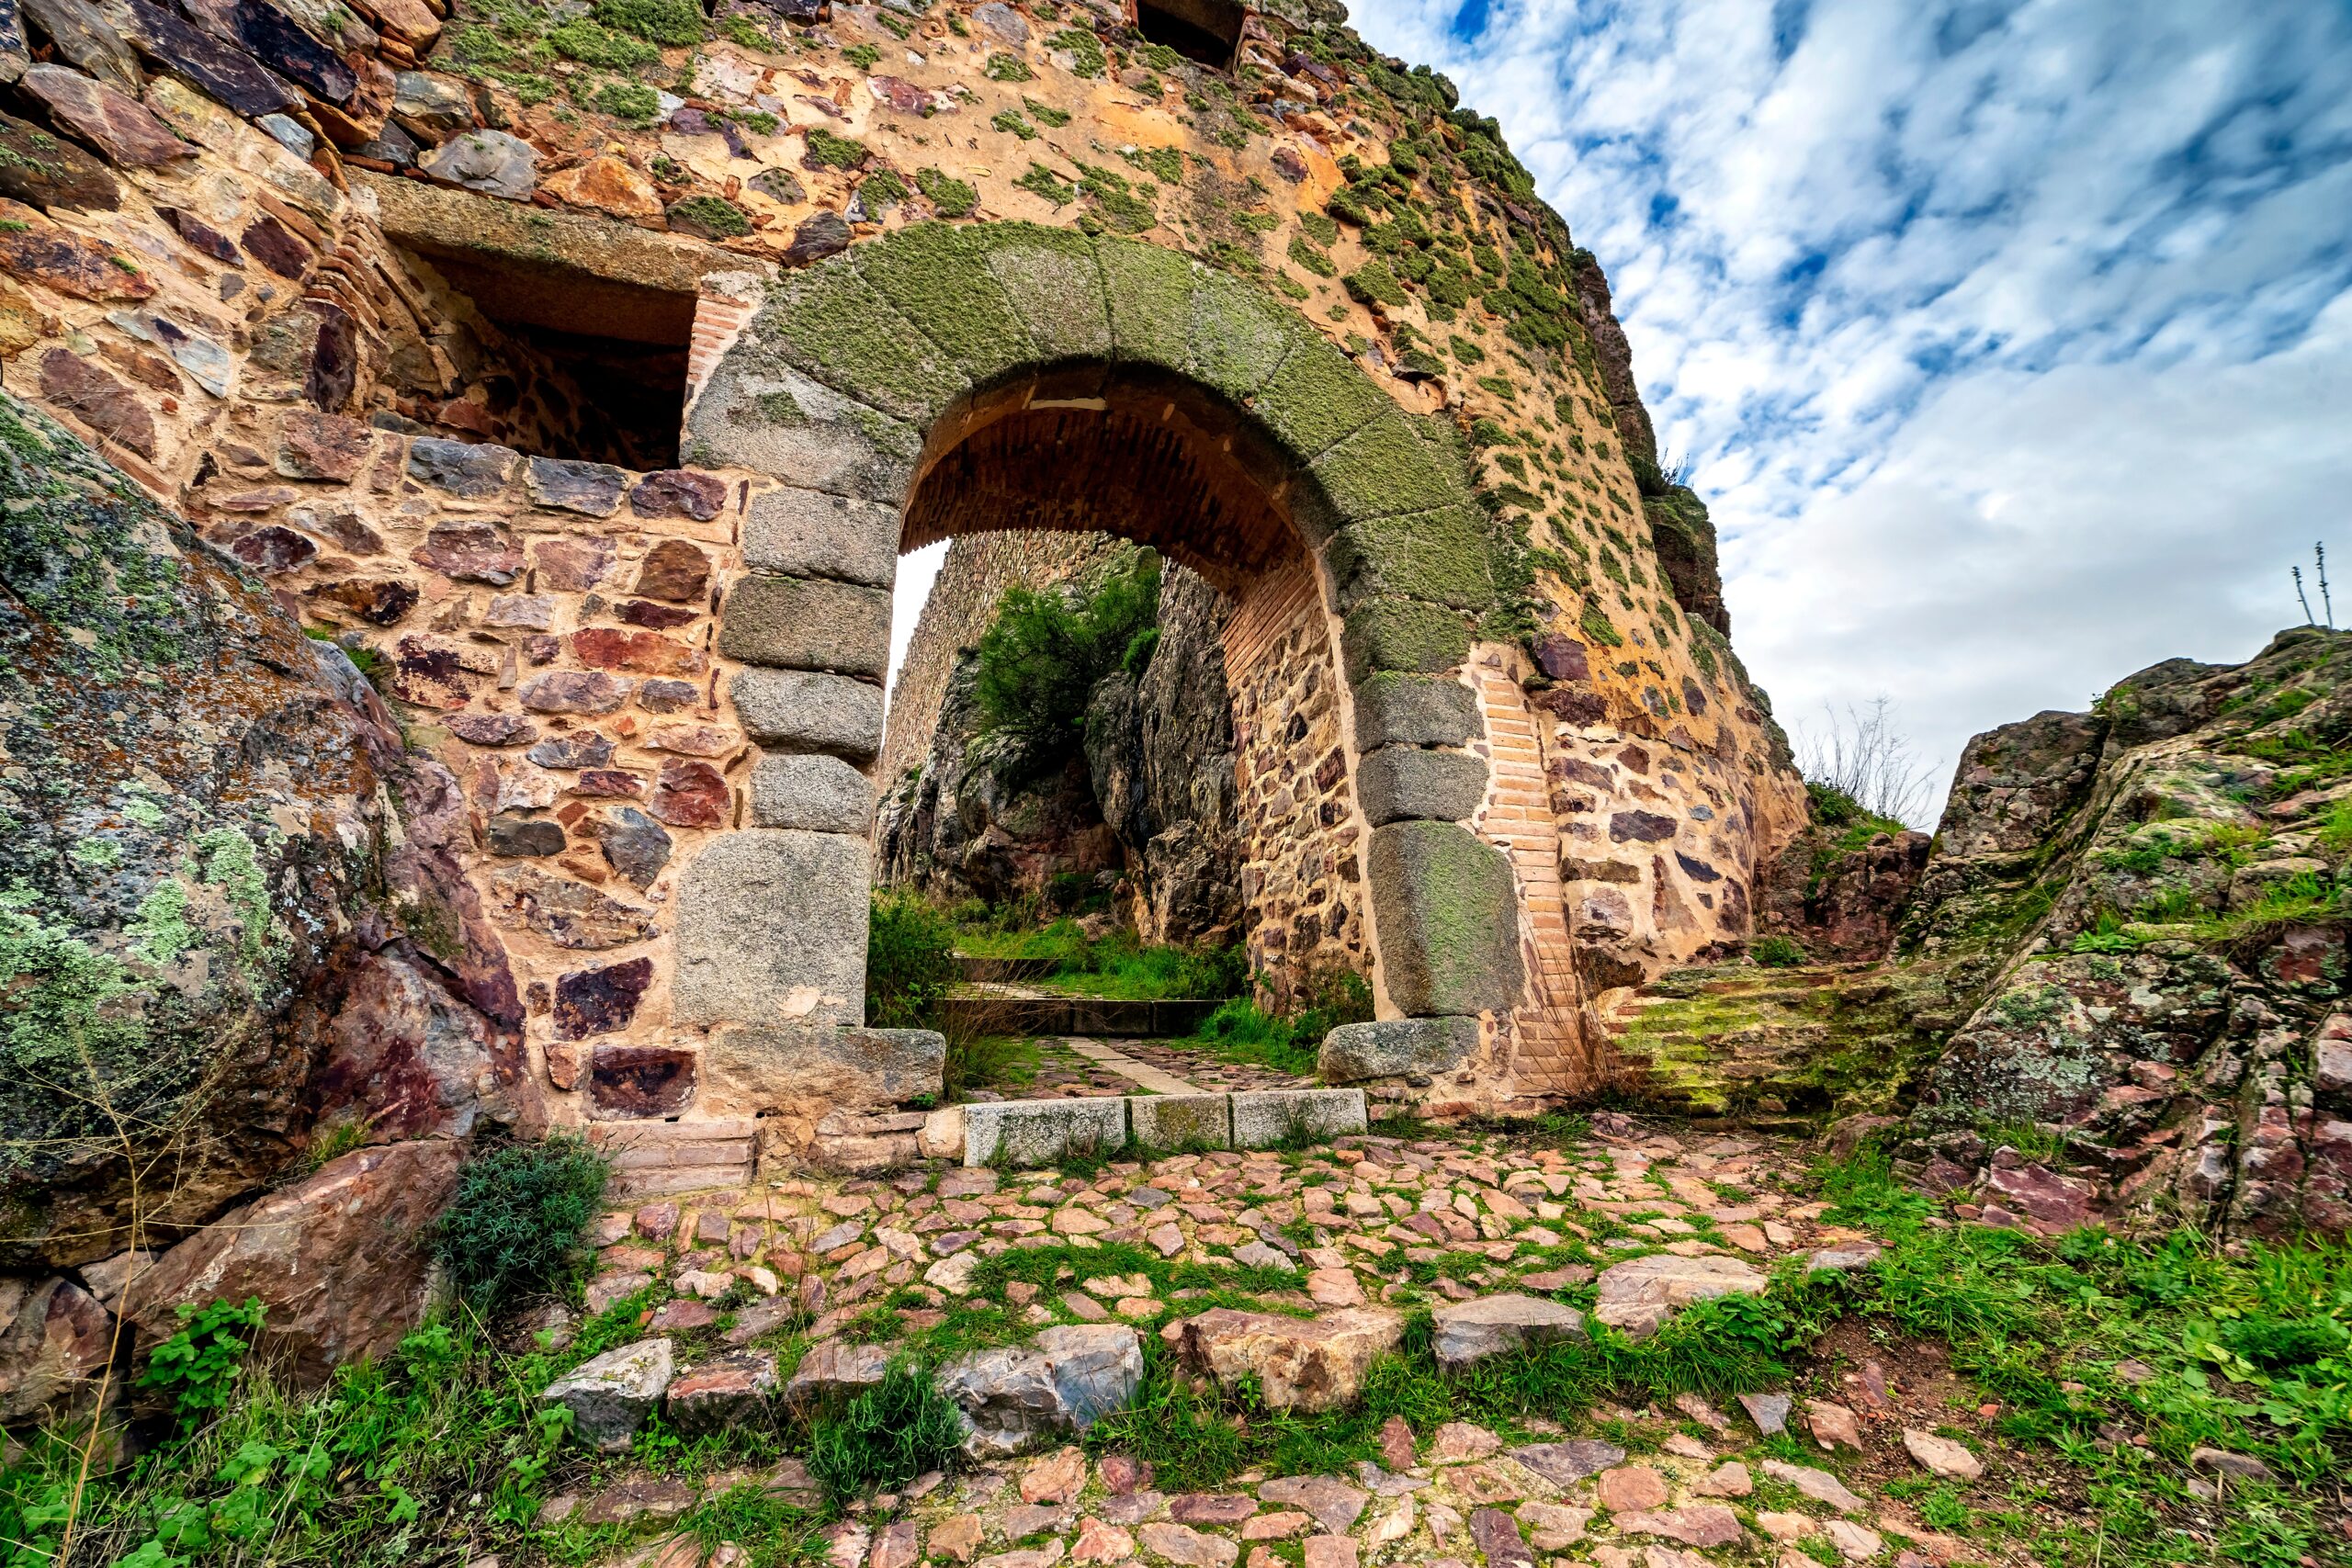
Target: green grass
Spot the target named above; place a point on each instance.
(1117, 966)
(440, 1449)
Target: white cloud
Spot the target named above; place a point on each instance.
(2013, 338)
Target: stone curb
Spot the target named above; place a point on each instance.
(1015, 1134)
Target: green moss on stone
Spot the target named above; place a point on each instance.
(1404, 634)
(831, 323)
(1389, 466)
(938, 277)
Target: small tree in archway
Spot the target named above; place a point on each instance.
(1040, 659)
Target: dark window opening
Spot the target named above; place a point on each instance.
(1205, 30)
(590, 368)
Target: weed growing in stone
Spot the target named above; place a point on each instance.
(887, 1436)
(518, 1218)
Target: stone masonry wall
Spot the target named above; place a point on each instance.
(209, 233)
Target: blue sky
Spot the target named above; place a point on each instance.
(2010, 342)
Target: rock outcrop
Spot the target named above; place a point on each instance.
(2146, 902)
(231, 919)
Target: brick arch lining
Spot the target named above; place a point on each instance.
(859, 377)
(1138, 459)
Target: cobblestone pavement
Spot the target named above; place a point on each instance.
(1622, 1229)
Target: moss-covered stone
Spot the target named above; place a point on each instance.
(1239, 337)
(1150, 293)
(1448, 915)
(1439, 555)
(1389, 466)
(1403, 633)
(1320, 399)
(1053, 281)
(841, 330)
(937, 277)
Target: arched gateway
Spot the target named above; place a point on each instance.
(904, 393)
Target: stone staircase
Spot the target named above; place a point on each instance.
(1778, 1049)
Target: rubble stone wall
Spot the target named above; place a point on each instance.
(295, 269)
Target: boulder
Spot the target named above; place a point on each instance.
(56, 1342)
(339, 1258)
(1015, 1397)
(1306, 1364)
(728, 1391)
(492, 161)
(610, 1395)
(1471, 1331)
(1640, 1294)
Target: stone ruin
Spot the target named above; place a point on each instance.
(575, 382)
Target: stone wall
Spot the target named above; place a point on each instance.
(308, 281)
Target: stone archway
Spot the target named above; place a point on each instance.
(860, 377)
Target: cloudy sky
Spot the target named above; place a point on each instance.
(2010, 342)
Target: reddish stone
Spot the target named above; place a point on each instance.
(203, 236)
(492, 728)
(605, 184)
(431, 673)
(607, 783)
(323, 446)
(379, 602)
(71, 382)
(1211, 1508)
(38, 168)
(572, 565)
(1122, 1474)
(673, 569)
(1640, 826)
(38, 250)
(661, 617)
(733, 1390)
(472, 552)
(647, 652)
(1498, 1539)
(117, 125)
(1562, 658)
(55, 1341)
(266, 241)
(2048, 1202)
(573, 691)
(273, 549)
(668, 697)
(677, 492)
(598, 1002)
(641, 1081)
(690, 794)
(147, 369)
(339, 1258)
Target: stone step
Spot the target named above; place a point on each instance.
(975, 968)
(1117, 1019)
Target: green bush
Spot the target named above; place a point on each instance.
(198, 1366)
(519, 1217)
(1776, 953)
(886, 1437)
(910, 962)
(1041, 656)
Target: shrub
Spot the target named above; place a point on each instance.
(886, 1437)
(1040, 658)
(520, 1213)
(949, 197)
(910, 962)
(1776, 953)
